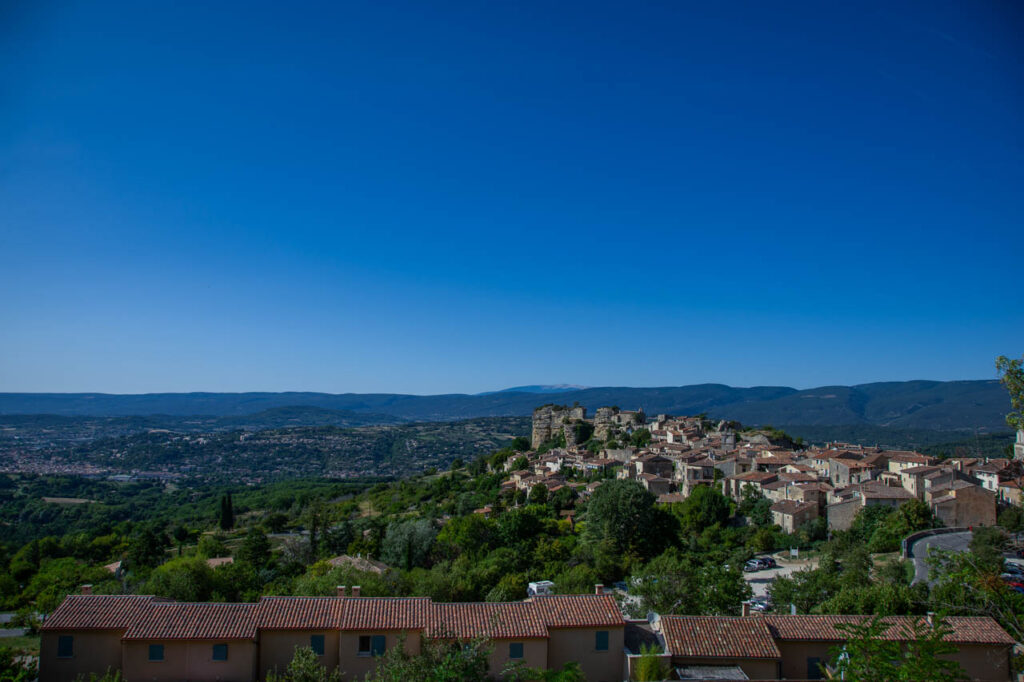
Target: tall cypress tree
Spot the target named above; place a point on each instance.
(227, 513)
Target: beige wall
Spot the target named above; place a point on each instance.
(355, 667)
(535, 654)
(755, 669)
(191, 660)
(94, 652)
(979, 662)
(577, 644)
(277, 647)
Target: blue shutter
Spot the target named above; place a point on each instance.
(316, 643)
(156, 652)
(378, 645)
(220, 652)
(515, 650)
(601, 641)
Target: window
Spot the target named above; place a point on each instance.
(601, 640)
(813, 668)
(316, 643)
(515, 650)
(220, 652)
(379, 643)
(156, 652)
(364, 645)
(65, 646)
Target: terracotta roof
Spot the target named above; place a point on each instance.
(966, 629)
(505, 620)
(299, 613)
(718, 637)
(173, 620)
(578, 610)
(792, 506)
(385, 613)
(100, 612)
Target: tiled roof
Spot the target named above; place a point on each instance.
(163, 620)
(578, 610)
(718, 637)
(966, 629)
(792, 506)
(385, 613)
(99, 612)
(506, 620)
(299, 613)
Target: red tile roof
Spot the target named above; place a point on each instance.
(579, 610)
(100, 612)
(299, 613)
(718, 637)
(966, 629)
(385, 613)
(162, 620)
(506, 620)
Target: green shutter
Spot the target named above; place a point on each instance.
(65, 646)
(378, 646)
(601, 643)
(316, 642)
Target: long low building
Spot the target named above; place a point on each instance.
(794, 647)
(148, 638)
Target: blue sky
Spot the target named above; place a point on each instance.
(458, 197)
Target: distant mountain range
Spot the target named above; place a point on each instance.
(934, 405)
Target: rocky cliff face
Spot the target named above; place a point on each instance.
(550, 420)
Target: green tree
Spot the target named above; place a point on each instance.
(441, 659)
(652, 666)
(640, 438)
(255, 548)
(868, 657)
(227, 513)
(538, 494)
(520, 444)
(689, 583)
(183, 579)
(704, 507)
(181, 534)
(211, 546)
(15, 668)
(1012, 377)
(622, 516)
(304, 667)
(407, 544)
(147, 547)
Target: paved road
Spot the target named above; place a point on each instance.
(956, 542)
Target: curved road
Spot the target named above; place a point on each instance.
(957, 542)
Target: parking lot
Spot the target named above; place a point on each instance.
(760, 580)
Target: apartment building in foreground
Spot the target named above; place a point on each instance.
(148, 638)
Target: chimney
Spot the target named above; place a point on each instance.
(355, 590)
(598, 588)
(341, 590)
(745, 609)
(86, 589)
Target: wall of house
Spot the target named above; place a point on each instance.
(277, 647)
(356, 667)
(535, 654)
(190, 661)
(755, 669)
(93, 652)
(840, 516)
(980, 662)
(578, 644)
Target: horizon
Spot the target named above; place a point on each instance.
(385, 198)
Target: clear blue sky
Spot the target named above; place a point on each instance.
(431, 197)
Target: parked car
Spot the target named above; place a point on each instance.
(752, 566)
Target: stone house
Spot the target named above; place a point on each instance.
(790, 515)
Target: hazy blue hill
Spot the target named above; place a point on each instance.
(905, 405)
